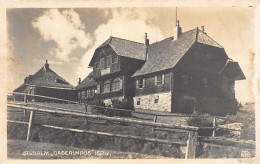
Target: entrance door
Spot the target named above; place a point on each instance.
(188, 106)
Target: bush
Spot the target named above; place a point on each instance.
(201, 120)
(99, 108)
(122, 105)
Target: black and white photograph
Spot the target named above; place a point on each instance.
(170, 82)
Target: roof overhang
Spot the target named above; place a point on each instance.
(233, 70)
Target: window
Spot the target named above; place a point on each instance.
(116, 85)
(159, 79)
(87, 93)
(138, 101)
(97, 65)
(140, 83)
(205, 83)
(156, 100)
(91, 92)
(114, 59)
(79, 95)
(102, 63)
(83, 94)
(106, 87)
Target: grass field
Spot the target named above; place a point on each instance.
(17, 133)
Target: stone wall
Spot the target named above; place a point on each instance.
(148, 101)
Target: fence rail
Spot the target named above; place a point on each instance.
(190, 145)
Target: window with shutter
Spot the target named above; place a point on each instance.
(140, 83)
(159, 79)
(162, 78)
(109, 60)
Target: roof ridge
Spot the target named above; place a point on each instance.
(125, 40)
(209, 37)
(171, 37)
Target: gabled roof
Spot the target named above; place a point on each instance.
(167, 53)
(87, 82)
(232, 69)
(123, 47)
(46, 77)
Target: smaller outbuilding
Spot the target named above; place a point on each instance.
(46, 82)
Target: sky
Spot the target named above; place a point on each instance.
(67, 37)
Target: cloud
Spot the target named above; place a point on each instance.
(65, 29)
(124, 23)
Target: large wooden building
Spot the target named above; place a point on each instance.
(46, 82)
(189, 71)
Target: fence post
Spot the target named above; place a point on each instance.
(214, 126)
(30, 126)
(191, 145)
(25, 104)
(86, 110)
(154, 120)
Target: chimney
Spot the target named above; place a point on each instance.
(202, 28)
(46, 65)
(146, 40)
(177, 30)
(79, 81)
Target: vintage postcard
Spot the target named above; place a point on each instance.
(130, 80)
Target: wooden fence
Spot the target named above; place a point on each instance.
(192, 131)
(190, 144)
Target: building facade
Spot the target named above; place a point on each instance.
(189, 71)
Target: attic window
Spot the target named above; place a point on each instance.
(114, 59)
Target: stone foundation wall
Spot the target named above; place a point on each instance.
(148, 102)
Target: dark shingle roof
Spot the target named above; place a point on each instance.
(46, 77)
(167, 53)
(123, 47)
(87, 82)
